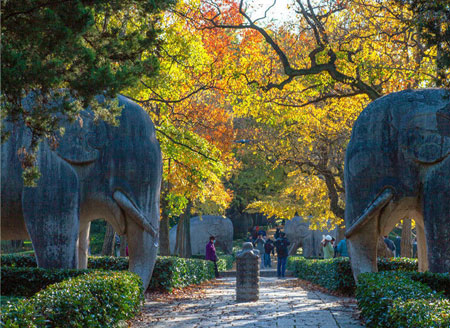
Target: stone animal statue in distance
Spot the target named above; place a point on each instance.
(397, 165)
(97, 171)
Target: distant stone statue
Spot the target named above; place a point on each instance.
(247, 274)
(300, 235)
(202, 228)
(397, 165)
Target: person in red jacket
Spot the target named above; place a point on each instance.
(211, 254)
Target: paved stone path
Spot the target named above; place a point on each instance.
(281, 304)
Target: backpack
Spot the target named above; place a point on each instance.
(281, 245)
(268, 247)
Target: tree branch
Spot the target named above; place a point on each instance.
(186, 146)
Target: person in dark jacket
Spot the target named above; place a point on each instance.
(268, 248)
(281, 244)
(211, 254)
(277, 234)
(390, 244)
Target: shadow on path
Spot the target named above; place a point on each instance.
(282, 303)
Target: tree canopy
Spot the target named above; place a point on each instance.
(72, 49)
(303, 83)
(209, 73)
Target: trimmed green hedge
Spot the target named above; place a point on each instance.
(333, 274)
(174, 272)
(103, 262)
(108, 263)
(94, 262)
(225, 261)
(394, 300)
(397, 264)
(228, 259)
(28, 281)
(439, 282)
(336, 274)
(22, 261)
(169, 273)
(97, 299)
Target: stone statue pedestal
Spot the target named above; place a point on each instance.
(247, 274)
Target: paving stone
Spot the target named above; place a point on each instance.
(278, 306)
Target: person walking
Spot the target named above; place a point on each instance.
(259, 245)
(281, 244)
(342, 248)
(390, 244)
(211, 254)
(327, 247)
(268, 248)
(277, 234)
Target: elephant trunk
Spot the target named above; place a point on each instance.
(362, 248)
(141, 251)
(142, 238)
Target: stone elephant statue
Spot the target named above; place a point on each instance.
(398, 165)
(96, 171)
(202, 228)
(300, 235)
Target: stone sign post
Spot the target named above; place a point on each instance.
(247, 274)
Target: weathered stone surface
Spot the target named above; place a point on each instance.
(96, 171)
(398, 165)
(298, 233)
(281, 304)
(204, 227)
(247, 274)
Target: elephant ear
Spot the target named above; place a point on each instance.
(427, 137)
(83, 140)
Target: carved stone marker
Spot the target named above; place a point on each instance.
(247, 274)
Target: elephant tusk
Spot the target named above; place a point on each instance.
(130, 209)
(381, 200)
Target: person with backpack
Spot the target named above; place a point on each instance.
(281, 244)
(268, 248)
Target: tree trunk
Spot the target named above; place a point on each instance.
(406, 243)
(164, 224)
(183, 243)
(164, 241)
(123, 245)
(108, 242)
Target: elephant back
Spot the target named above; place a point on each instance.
(387, 146)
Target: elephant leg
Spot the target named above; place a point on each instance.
(51, 213)
(362, 248)
(436, 213)
(83, 244)
(422, 253)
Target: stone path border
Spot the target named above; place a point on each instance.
(281, 304)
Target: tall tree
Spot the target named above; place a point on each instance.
(108, 241)
(431, 18)
(74, 49)
(192, 123)
(406, 247)
(183, 241)
(308, 80)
